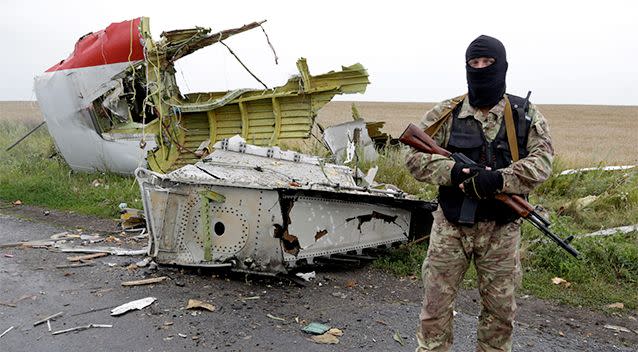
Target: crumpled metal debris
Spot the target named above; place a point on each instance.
(296, 207)
(343, 139)
(133, 305)
(132, 218)
(119, 113)
(306, 276)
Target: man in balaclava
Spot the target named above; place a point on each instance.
(470, 225)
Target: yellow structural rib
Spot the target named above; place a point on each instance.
(262, 117)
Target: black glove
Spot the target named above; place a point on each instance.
(485, 184)
(457, 176)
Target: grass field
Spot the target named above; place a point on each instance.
(583, 135)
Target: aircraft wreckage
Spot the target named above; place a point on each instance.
(211, 199)
(114, 103)
(264, 210)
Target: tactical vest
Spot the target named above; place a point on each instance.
(467, 137)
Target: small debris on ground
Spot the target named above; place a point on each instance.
(7, 255)
(92, 238)
(617, 305)
(316, 328)
(326, 338)
(617, 328)
(275, 317)
(149, 281)
(398, 338)
(133, 305)
(251, 298)
(561, 281)
(306, 276)
(197, 304)
(79, 258)
(17, 202)
(111, 250)
(29, 244)
(15, 302)
(144, 262)
(59, 236)
(578, 204)
(132, 218)
(76, 265)
(80, 328)
(47, 319)
(6, 331)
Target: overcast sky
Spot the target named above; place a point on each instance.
(565, 52)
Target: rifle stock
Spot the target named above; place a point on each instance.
(421, 141)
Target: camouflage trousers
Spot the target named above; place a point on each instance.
(495, 251)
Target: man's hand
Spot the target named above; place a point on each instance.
(484, 184)
(462, 171)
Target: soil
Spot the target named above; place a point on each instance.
(253, 313)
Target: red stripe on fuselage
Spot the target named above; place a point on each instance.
(119, 42)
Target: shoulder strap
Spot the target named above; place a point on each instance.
(510, 129)
(445, 115)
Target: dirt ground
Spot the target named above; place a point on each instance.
(253, 313)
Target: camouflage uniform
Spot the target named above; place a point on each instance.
(493, 247)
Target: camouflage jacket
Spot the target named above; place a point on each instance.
(520, 177)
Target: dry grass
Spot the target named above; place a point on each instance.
(25, 111)
(584, 135)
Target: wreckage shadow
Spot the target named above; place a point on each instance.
(336, 264)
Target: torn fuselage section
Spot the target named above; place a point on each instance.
(271, 210)
(114, 103)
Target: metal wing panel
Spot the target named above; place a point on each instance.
(326, 226)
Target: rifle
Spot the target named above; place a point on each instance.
(421, 141)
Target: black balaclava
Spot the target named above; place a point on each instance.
(486, 86)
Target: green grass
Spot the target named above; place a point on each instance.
(608, 270)
(31, 174)
(607, 273)
(392, 170)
